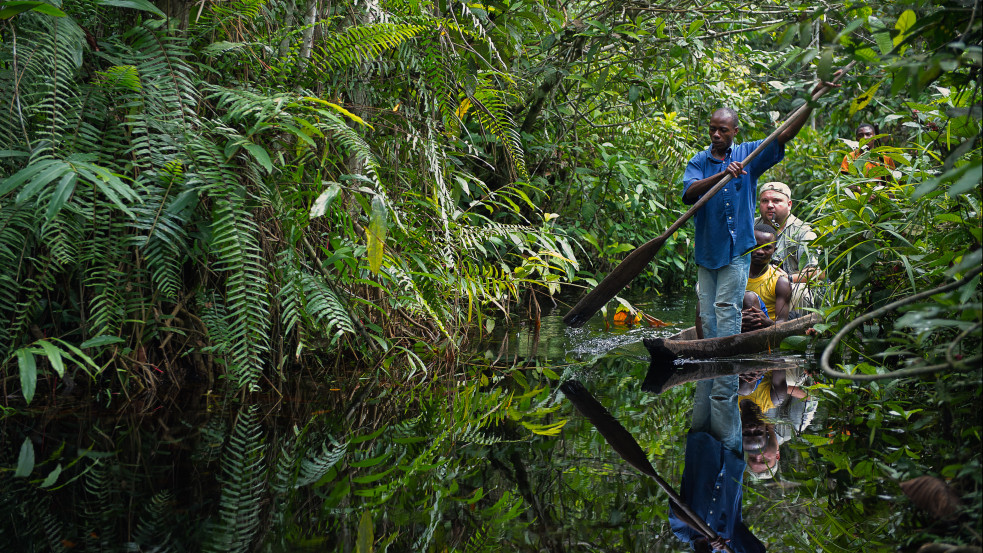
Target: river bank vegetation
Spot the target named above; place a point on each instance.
(240, 196)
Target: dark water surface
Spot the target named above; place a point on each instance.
(490, 457)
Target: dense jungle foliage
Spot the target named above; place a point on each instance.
(270, 197)
(237, 189)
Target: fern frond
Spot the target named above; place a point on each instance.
(365, 42)
(238, 518)
(325, 309)
(410, 285)
(235, 244)
(495, 116)
(155, 525)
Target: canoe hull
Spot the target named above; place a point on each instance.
(684, 344)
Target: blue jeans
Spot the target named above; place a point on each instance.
(715, 411)
(722, 295)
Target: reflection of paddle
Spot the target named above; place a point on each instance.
(638, 259)
(625, 445)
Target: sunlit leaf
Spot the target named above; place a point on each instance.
(348, 114)
(861, 101)
(376, 235)
(905, 22)
(324, 201)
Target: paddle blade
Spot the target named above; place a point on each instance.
(616, 435)
(616, 280)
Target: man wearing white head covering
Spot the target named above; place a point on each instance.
(792, 251)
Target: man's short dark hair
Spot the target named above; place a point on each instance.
(866, 126)
(765, 228)
(730, 113)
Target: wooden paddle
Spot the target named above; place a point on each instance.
(627, 447)
(636, 261)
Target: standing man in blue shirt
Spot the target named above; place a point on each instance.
(725, 225)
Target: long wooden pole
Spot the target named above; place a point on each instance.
(636, 261)
(628, 448)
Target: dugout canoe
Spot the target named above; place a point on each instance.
(707, 358)
(686, 345)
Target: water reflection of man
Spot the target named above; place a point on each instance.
(714, 470)
(759, 439)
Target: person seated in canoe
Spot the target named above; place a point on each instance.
(768, 295)
(768, 282)
(792, 247)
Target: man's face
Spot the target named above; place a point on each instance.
(864, 132)
(766, 248)
(774, 206)
(722, 132)
(760, 462)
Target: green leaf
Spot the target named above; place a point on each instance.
(860, 102)
(365, 530)
(905, 22)
(261, 155)
(884, 42)
(825, 66)
(10, 9)
(969, 180)
(63, 191)
(51, 172)
(28, 373)
(324, 201)
(97, 341)
(52, 477)
(25, 461)
(54, 356)
(142, 5)
(376, 235)
(795, 343)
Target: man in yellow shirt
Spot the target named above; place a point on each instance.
(770, 283)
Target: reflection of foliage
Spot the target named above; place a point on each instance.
(242, 484)
(845, 485)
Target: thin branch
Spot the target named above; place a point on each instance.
(959, 365)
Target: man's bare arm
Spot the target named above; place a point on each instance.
(779, 387)
(807, 274)
(783, 299)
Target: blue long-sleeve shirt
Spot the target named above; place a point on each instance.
(712, 477)
(725, 225)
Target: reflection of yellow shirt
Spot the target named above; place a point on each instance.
(761, 396)
(764, 286)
